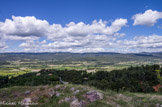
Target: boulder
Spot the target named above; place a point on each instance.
(83, 103)
(75, 103)
(61, 101)
(57, 86)
(76, 92)
(67, 99)
(57, 93)
(27, 92)
(93, 96)
(63, 87)
(157, 105)
(38, 74)
(51, 92)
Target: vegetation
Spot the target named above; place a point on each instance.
(110, 99)
(133, 79)
(123, 79)
(14, 64)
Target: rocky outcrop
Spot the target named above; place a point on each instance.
(75, 103)
(93, 96)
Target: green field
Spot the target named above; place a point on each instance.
(14, 64)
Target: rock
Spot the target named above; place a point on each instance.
(27, 92)
(57, 94)
(72, 88)
(160, 105)
(73, 98)
(93, 96)
(100, 95)
(63, 81)
(26, 102)
(83, 103)
(38, 74)
(35, 99)
(57, 86)
(67, 99)
(61, 101)
(75, 103)
(157, 105)
(49, 74)
(51, 92)
(64, 87)
(76, 92)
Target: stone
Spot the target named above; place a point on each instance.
(73, 98)
(61, 101)
(49, 74)
(57, 86)
(93, 96)
(157, 105)
(57, 94)
(67, 99)
(100, 95)
(35, 98)
(83, 103)
(64, 87)
(51, 92)
(38, 74)
(75, 103)
(27, 92)
(76, 92)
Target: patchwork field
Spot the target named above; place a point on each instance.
(13, 64)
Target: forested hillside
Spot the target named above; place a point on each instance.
(134, 79)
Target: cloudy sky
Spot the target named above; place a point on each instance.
(81, 26)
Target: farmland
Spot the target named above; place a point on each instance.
(14, 64)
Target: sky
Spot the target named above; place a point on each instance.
(79, 26)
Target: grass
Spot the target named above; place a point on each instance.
(111, 98)
(16, 68)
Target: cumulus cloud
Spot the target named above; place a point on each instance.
(149, 18)
(30, 26)
(73, 36)
(24, 26)
(2, 42)
(19, 38)
(39, 36)
(151, 43)
(81, 29)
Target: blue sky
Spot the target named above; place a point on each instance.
(132, 26)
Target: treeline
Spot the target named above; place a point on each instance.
(134, 79)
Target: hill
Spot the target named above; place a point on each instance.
(74, 96)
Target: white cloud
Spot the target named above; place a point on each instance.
(81, 29)
(24, 26)
(152, 43)
(30, 26)
(19, 38)
(73, 36)
(149, 18)
(2, 42)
